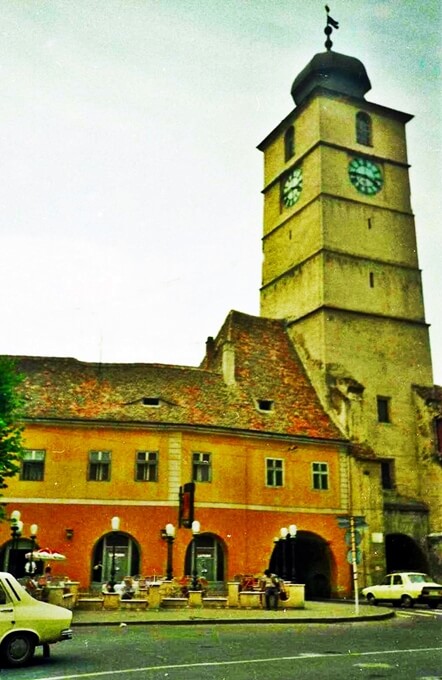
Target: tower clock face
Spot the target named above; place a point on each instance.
(365, 176)
(291, 188)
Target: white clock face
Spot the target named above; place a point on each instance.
(365, 176)
(291, 188)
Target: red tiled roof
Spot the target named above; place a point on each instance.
(267, 367)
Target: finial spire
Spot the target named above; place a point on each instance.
(331, 24)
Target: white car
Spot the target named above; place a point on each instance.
(26, 623)
(405, 588)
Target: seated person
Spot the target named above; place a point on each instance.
(128, 590)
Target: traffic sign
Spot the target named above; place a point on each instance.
(357, 537)
(358, 556)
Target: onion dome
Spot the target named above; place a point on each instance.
(331, 71)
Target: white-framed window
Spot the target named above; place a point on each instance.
(99, 466)
(33, 465)
(274, 472)
(146, 467)
(320, 476)
(201, 467)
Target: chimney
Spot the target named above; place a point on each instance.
(210, 351)
(229, 362)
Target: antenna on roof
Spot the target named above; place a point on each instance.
(328, 30)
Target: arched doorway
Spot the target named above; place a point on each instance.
(13, 560)
(313, 562)
(404, 554)
(209, 553)
(116, 545)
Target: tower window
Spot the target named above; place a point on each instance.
(371, 280)
(363, 128)
(387, 474)
(289, 143)
(383, 406)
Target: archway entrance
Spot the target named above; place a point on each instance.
(127, 557)
(13, 557)
(313, 562)
(209, 553)
(404, 554)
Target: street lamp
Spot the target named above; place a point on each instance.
(170, 537)
(283, 536)
(293, 530)
(32, 565)
(16, 529)
(196, 528)
(115, 526)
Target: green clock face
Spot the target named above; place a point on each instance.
(291, 188)
(365, 176)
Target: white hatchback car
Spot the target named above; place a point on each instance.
(405, 588)
(26, 623)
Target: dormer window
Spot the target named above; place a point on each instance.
(265, 405)
(363, 128)
(150, 401)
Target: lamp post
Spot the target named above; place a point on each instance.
(115, 526)
(196, 528)
(16, 529)
(32, 565)
(283, 537)
(293, 530)
(170, 537)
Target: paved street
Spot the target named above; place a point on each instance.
(407, 647)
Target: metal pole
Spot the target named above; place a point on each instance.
(169, 571)
(112, 581)
(354, 563)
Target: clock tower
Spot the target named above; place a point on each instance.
(340, 265)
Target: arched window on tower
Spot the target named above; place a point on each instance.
(363, 128)
(289, 143)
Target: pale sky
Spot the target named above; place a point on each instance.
(131, 206)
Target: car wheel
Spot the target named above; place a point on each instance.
(433, 605)
(406, 601)
(18, 649)
(371, 599)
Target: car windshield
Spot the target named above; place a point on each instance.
(420, 578)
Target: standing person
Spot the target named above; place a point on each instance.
(270, 586)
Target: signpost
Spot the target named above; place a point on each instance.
(353, 538)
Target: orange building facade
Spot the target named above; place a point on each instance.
(120, 440)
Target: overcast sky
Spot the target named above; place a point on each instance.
(131, 212)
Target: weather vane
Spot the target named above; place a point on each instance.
(331, 24)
